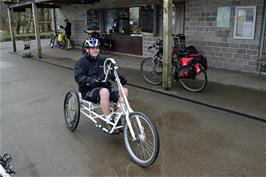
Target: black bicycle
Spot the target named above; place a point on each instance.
(53, 38)
(189, 69)
(106, 44)
(5, 166)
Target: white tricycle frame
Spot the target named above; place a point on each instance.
(73, 107)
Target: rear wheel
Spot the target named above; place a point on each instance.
(152, 70)
(105, 48)
(144, 150)
(72, 109)
(194, 84)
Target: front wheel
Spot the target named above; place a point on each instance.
(83, 50)
(72, 109)
(196, 83)
(144, 150)
(52, 42)
(151, 69)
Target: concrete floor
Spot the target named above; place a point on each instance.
(195, 140)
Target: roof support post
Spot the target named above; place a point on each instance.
(10, 20)
(37, 29)
(155, 7)
(167, 43)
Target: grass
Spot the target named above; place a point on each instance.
(7, 37)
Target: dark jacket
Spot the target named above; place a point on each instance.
(87, 69)
(68, 29)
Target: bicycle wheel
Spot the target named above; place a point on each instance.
(105, 49)
(83, 51)
(196, 84)
(152, 70)
(51, 42)
(72, 109)
(145, 149)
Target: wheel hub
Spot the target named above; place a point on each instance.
(141, 137)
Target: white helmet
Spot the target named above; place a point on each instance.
(92, 42)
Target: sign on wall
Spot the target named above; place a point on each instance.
(245, 19)
(223, 17)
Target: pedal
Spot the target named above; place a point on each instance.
(101, 127)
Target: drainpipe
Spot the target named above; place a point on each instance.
(54, 19)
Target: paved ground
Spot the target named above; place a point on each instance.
(196, 140)
(246, 88)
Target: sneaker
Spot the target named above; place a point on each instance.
(109, 127)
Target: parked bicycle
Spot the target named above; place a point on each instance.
(188, 67)
(140, 134)
(106, 44)
(58, 39)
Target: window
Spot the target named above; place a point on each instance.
(93, 20)
(134, 20)
(245, 18)
(146, 19)
(116, 20)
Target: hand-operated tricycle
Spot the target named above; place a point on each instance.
(140, 134)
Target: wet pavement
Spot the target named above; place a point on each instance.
(195, 140)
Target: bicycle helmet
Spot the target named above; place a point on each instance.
(92, 42)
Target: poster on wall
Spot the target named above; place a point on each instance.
(245, 20)
(223, 17)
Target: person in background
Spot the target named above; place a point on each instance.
(67, 31)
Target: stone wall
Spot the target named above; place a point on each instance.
(218, 44)
(146, 42)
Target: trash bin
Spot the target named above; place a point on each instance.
(1, 36)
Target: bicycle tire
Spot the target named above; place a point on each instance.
(187, 83)
(72, 111)
(149, 72)
(143, 159)
(83, 51)
(105, 49)
(52, 43)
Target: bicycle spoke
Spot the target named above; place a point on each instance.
(145, 149)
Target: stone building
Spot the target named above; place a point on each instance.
(230, 33)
